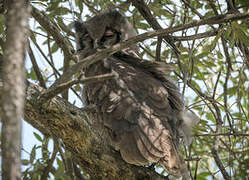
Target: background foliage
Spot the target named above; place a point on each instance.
(211, 70)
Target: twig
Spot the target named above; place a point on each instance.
(196, 168)
(223, 134)
(196, 36)
(192, 159)
(216, 84)
(52, 66)
(54, 31)
(36, 67)
(158, 49)
(50, 54)
(145, 12)
(45, 57)
(219, 164)
(192, 8)
(52, 92)
(50, 162)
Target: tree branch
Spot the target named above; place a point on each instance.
(36, 67)
(54, 31)
(52, 92)
(223, 134)
(145, 12)
(82, 138)
(196, 36)
(219, 164)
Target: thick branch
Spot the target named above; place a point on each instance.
(81, 137)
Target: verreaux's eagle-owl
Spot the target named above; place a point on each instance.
(142, 108)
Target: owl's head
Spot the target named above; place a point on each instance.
(102, 31)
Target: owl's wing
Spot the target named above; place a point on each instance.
(142, 113)
(159, 71)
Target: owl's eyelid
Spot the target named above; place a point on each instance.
(109, 33)
(86, 35)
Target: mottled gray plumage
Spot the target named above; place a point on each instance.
(141, 108)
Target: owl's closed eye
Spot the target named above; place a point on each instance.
(109, 38)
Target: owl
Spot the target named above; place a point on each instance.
(141, 108)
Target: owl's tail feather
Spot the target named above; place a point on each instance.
(175, 165)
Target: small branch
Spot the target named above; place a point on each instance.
(50, 54)
(228, 73)
(219, 164)
(50, 162)
(65, 68)
(145, 12)
(216, 84)
(45, 57)
(223, 134)
(213, 6)
(52, 92)
(52, 66)
(196, 36)
(196, 168)
(36, 67)
(54, 31)
(192, 159)
(98, 78)
(158, 49)
(192, 9)
(245, 52)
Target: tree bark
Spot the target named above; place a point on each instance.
(87, 143)
(13, 87)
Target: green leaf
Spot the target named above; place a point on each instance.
(210, 117)
(37, 136)
(1, 23)
(219, 55)
(79, 4)
(201, 55)
(203, 175)
(210, 47)
(32, 74)
(33, 154)
(61, 11)
(54, 48)
(32, 36)
(25, 162)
